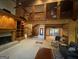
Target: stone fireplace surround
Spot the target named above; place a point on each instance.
(5, 37)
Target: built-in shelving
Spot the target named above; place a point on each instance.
(20, 29)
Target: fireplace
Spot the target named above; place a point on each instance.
(5, 37)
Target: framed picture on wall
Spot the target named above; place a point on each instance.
(39, 8)
(51, 10)
(41, 31)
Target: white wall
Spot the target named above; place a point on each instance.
(8, 4)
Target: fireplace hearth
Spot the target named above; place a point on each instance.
(5, 38)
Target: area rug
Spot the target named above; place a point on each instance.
(44, 53)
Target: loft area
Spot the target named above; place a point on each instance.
(36, 12)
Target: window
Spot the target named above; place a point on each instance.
(54, 31)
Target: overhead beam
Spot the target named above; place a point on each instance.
(49, 21)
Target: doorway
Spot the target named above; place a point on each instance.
(51, 33)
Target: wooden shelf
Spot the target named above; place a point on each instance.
(20, 29)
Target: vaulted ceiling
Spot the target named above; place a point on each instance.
(25, 3)
(67, 5)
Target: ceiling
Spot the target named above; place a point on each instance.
(25, 3)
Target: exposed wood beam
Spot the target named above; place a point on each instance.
(65, 21)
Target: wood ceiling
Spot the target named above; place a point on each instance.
(25, 3)
(67, 5)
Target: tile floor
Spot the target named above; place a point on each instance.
(26, 49)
